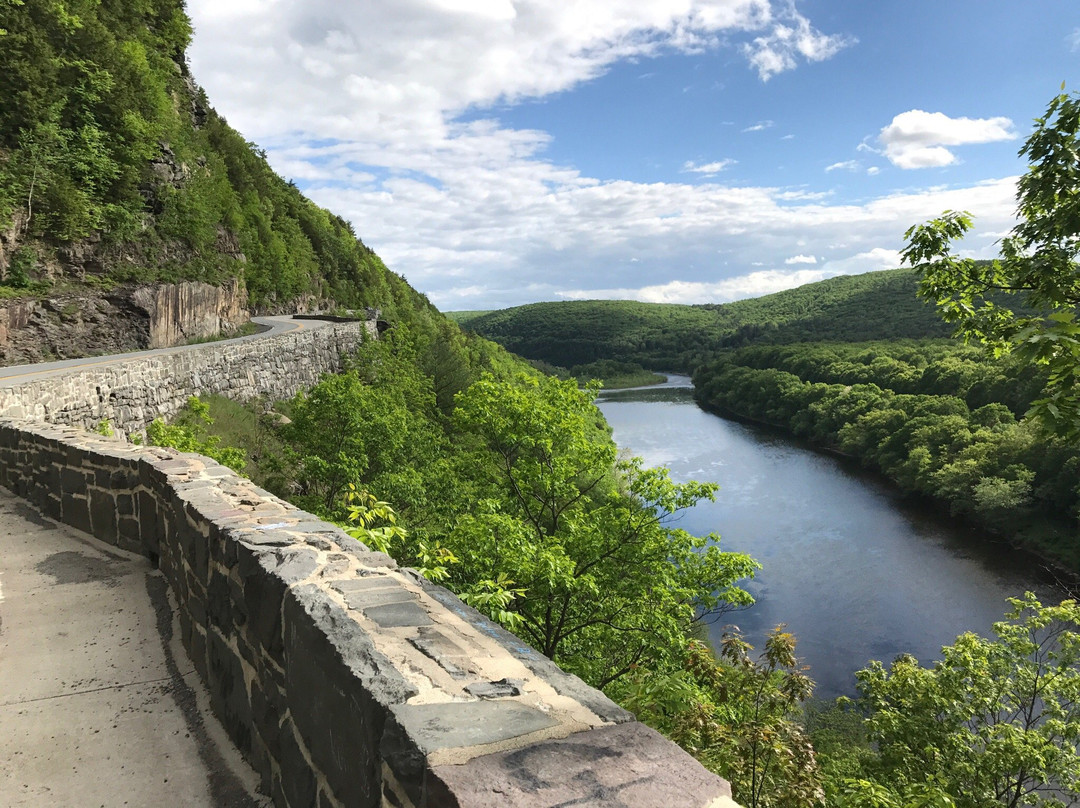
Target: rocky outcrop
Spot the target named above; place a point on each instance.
(181, 312)
(72, 325)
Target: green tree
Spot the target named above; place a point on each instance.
(994, 723)
(739, 716)
(1038, 262)
(608, 583)
(189, 432)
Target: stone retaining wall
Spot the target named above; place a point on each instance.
(347, 680)
(132, 394)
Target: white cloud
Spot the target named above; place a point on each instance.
(800, 259)
(779, 49)
(1074, 39)
(759, 126)
(708, 169)
(753, 284)
(918, 139)
(473, 212)
(846, 165)
(873, 171)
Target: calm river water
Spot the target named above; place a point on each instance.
(853, 571)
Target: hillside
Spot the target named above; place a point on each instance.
(669, 336)
(115, 171)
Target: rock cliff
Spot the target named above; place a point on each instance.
(83, 324)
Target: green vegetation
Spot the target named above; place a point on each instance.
(937, 419)
(994, 723)
(114, 168)
(1038, 263)
(444, 450)
(672, 337)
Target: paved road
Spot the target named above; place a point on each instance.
(18, 374)
(99, 704)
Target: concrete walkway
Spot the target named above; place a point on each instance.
(99, 705)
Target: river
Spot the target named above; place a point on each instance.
(854, 572)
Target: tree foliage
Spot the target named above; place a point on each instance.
(1038, 265)
(673, 337)
(608, 583)
(739, 715)
(995, 722)
(937, 418)
(109, 150)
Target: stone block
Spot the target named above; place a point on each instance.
(228, 691)
(564, 683)
(265, 577)
(73, 481)
(75, 511)
(125, 502)
(103, 515)
(419, 729)
(623, 766)
(297, 778)
(219, 605)
(339, 690)
(433, 643)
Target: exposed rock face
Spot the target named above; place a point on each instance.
(73, 325)
(185, 311)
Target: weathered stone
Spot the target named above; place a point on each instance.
(394, 615)
(564, 683)
(339, 689)
(228, 692)
(495, 690)
(297, 779)
(419, 729)
(219, 603)
(266, 576)
(75, 511)
(103, 515)
(609, 767)
(432, 642)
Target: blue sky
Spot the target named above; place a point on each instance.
(498, 152)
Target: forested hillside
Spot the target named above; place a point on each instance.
(668, 336)
(115, 169)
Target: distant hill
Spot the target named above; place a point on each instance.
(669, 336)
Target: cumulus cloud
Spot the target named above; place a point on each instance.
(800, 259)
(378, 109)
(873, 171)
(759, 126)
(846, 165)
(781, 47)
(708, 169)
(919, 139)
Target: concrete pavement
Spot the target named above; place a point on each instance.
(99, 705)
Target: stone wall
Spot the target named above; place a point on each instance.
(131, 394)
(346, 680)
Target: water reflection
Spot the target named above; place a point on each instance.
(854, 571)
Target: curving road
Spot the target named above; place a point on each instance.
(276, 324)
